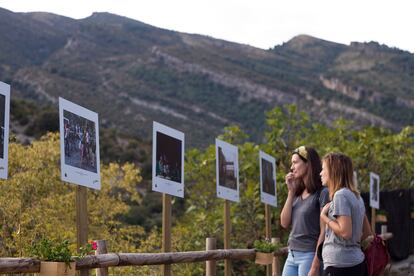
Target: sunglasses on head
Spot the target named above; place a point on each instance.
(302, 152)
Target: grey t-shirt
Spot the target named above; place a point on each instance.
(305, 221)
(337, 251)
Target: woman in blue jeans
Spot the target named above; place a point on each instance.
(301, 211)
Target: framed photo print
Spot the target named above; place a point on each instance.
(268, 192)
(227, 171)
(4, 124)
(79, 145)
(374, 189)
(167, 160)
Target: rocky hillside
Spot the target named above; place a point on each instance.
(132, 73)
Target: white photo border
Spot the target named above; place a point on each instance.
(74, 174)
(373, 203)
(224, 192)
(160, 184)
(265, 197)
(4, 162)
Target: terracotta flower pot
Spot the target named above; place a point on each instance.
(264, 258)
(57, 269)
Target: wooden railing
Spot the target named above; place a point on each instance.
(32, 265)
(27, 265)
(19, 265)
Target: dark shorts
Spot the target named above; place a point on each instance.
(358, 270)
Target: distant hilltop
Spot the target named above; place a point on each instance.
(133, 73)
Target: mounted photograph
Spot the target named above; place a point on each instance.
(4, 125)
(374, 181)
(79, 145)
(168, 160)
(227, 171)
(268, 179)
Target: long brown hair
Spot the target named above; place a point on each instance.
(311, 180)
(340, 172)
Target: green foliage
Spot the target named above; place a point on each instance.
(286, 130)
(22, 110)
(51, 251)
(34, 202)
(371, 148)
(265, 246)
(44, 121)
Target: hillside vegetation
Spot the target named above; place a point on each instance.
(133, 73)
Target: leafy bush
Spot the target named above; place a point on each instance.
(265, 246)
(51, 251)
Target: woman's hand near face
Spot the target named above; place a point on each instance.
(286, 214)
(290, 182)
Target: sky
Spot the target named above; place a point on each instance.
(259, 23)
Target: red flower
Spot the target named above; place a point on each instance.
(94, 245)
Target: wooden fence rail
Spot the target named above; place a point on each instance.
(19, 265)
(26, 265)
(32, 265)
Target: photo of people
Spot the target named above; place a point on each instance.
(168, 160)
(168, 157)
(227, 171)
(268, 179)
(4, 128)
(374, 190)
(79, 145)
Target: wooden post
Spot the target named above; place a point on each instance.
(101, 244)
(210, 265)
(166, 230)
(267, 221)
(373, 215)
(276, 263)
(227, 231)
(268, 234)
(82, 219)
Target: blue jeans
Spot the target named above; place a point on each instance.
(298, 263)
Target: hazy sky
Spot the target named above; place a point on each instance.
(260, 23)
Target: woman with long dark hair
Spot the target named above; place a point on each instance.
(301, 211)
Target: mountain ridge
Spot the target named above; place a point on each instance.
(133, 73)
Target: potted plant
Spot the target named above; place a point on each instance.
(56, 258)
(265, 251)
